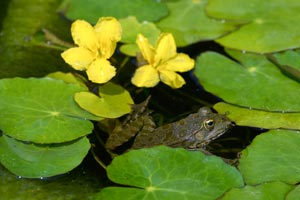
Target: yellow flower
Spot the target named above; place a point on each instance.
(162, 63)
(95, 46)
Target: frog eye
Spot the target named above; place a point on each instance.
(209, 123)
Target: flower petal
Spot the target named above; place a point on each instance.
(165, 47)
(145, 76)
(84, 35)
(180, 63)
(78, 57)
(100, 71)
(108, 31)
(146, 48)
(171, 78)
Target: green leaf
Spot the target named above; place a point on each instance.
(91, 10)
(188, 22)
(263, 23)
(35, 161)
(131, 27)
(294, 194)
(18, 55)
(166, 173)
(114, 101)
(69, 78)
(254, 82)
(265, 191)
(42, 110)
(272, 156)
(289, 62)
(258, 118)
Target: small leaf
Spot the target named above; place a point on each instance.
(294, 194)
(165, 173)
(114, 101)
(35, 161)
(258, 118)
(265, 191)
(254, 82)
(272, 156)
(42, 110)
(193, 25)
(91, 10)
(69, 78)
(262, 23)
(131, 28)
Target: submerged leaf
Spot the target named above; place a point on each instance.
(166, 173)
(265, 191)
(114, 101)
(35, 161)
(263, 22)
(42, 110)
(272, 156)
(254, 82)
(259, 118)
(91, 10)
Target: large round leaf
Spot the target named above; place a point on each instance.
(264, 22)
(272, 156)
(165, 173)
(34, 161)
(42, 110)
(188, 22)
(91, 10)
(254, 82)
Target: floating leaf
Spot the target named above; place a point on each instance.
(258, 118)
(254, 82)
(294, 194)
(131, 28)
(42, 110)
(265, 191)
(165, 173)
(34, 161)
(289, 62)
(264, 22)
(91, 10)
(69, 78)
(114, 101)
(272, 156)
(188, 22)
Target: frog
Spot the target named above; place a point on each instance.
(193, 132)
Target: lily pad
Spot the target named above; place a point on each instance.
(188, 22)
(265, 191)
(294, 194)
(69, 78)
(35, 161)
(131, 28)
(258, 118)
(114, 101)
(272, 156)
(252, 82)
(42, 110)
(289, 62)
(263, 23)
(91, 10)
(166, 173)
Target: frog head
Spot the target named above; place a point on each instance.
(212, 126)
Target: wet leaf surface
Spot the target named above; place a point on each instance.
(167, 173)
